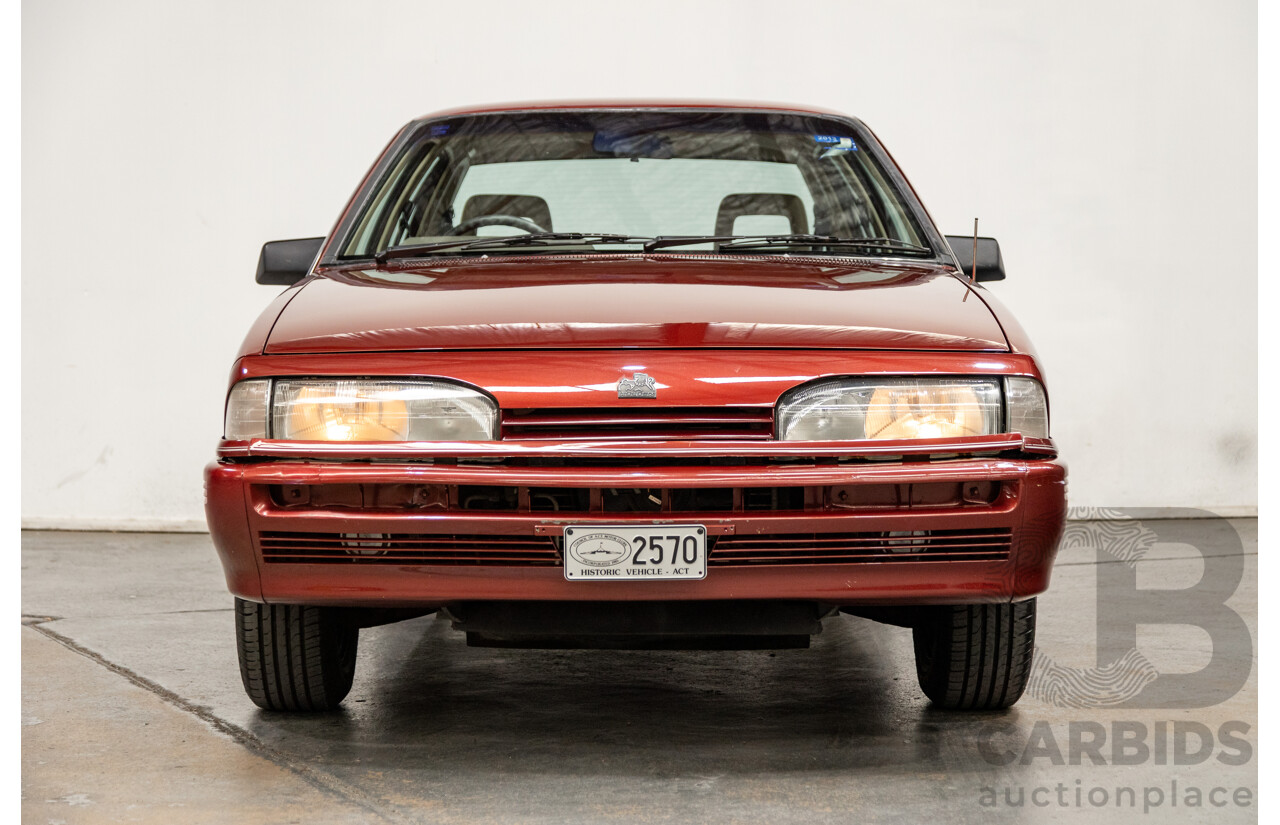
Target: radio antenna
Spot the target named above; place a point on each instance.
(973, 266)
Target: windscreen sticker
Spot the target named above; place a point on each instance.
(440, 130)
(838, 144)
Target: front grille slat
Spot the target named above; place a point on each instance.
(673, 423)
(580, 418)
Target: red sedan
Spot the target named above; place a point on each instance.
(635, 376)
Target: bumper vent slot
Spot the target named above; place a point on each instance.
(402, 548)
(781, 549)
(638, 423)
(845, 548)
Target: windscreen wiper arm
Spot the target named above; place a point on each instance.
(663, 241)
(534, 239)
(826, 240)
(730, 242)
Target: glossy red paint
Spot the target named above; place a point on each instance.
(689, 374)
(302, 471)
(630, 104)
(633, 301)
(588, 377)
(667, 450)
(557, 332)
(240, 508)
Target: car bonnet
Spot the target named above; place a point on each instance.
(619, 301)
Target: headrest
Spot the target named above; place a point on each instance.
(521, 206)
(761, 203)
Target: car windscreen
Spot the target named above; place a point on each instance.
(641, 174)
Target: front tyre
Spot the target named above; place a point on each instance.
(295, 657)
(975, 656)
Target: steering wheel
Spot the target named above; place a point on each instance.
(496, 220)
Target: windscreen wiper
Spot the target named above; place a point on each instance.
(731, 242)
(663, 241)
(827, 240)
(534, 239)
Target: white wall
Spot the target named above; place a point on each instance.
(1111, 147)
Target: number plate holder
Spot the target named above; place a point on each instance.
(625, 552)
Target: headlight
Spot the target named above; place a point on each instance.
(890, 408)
(353, 410)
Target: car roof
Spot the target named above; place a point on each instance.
(646, 104)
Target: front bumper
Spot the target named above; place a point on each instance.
(952, 524)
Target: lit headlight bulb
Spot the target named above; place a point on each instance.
(924, 412)
(340, 412)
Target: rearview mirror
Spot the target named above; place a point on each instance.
(287, 262)
(990, 263)
(634, 145)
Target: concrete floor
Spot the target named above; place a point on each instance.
(133, 712)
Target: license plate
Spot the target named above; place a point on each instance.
(625, 553)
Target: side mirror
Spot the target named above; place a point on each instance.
(990, 263)
(287, 262)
